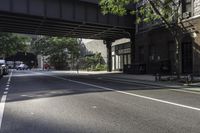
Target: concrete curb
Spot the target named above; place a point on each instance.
(141, 82)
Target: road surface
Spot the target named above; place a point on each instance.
(45, 102)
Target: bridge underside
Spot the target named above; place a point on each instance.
(10, 22)
(72, 18)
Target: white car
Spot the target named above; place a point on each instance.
(22, 67)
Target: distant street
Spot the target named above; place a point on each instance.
(46, 102)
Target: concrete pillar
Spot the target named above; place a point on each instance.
(109, 55)
(132, 38)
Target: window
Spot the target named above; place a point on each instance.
(187, 6)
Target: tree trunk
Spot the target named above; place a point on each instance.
(175, 35)
(178, 57)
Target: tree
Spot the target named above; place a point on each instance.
(151, 11)
(94, 62)
(57, 48)
(12, 43)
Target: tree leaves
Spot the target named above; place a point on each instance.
(57, 49)
(143, 10)
(12, 43)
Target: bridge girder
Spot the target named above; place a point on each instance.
(71, 18)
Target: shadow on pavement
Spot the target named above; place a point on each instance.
(36, 87)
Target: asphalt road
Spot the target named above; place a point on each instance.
(45, 102)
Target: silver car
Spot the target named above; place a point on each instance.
(4, 66)
(22, 67)
(1, 71)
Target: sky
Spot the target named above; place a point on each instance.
(87, 40)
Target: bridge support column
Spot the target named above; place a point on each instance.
(132, 38)
(109, 54)
(132, 50)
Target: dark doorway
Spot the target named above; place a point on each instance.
(187, 60)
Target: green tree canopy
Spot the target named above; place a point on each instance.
(12, 43)
(57, 49)
(94, 62)
(51, 45)
(151, 11)
(145, 10)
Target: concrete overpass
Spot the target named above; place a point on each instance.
(71, 18)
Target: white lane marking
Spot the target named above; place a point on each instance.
(3, 100)
(131, 94)
(6, 89)
(94, 107)
(2, 106)
(5, 92)
(32, 113)
(26, 96)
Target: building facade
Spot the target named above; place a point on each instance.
(121, 54)
(94, 46)
(156, 50)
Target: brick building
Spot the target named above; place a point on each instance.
(155, 48)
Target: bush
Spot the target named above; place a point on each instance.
(93, 63)
(100, 67)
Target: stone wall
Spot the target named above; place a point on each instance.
(196, 46)
(96, 46)
(196, 7)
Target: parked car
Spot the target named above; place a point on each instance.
(22, 67)
(4, 67)
(1, 71)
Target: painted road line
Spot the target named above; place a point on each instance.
(5, 92)
(3, 101)
(2, 106)
(140, 96)
(6, 89)
(130, 94)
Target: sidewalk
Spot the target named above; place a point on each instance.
(119, 76)
(141, 79)
(150, 79)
